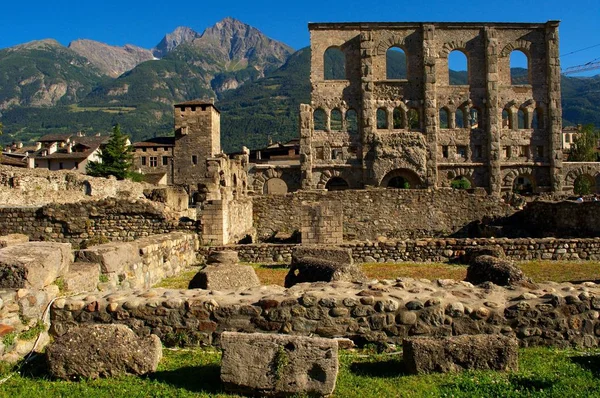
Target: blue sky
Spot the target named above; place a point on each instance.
(144, 23)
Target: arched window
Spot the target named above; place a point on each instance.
(521, 119)
(351, 121)
(319, 119)
(275, 186)
(506, 122)
(459, 119)
(395, 63)
(334, 62)
(335, 120)
(382, 122)
(458, 68)
(398, 118)
(444, 118)
(519, 68)
(414, 121)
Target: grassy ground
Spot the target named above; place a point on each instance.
(539, 271)
(544, 372)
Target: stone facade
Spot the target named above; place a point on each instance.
(553, 314)
(407, 143)
(322, 223)
(374, 213)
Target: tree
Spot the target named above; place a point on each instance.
(116, 157)
(584, 146)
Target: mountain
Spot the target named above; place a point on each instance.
(44, 73)
(111, 60)
(171, 40)
(48, 88)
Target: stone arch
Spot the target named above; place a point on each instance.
(511, 177)
(326, 176)
(389, 41)
(522, 45)
(263, 176)
(391, 179)
(450, 46)
(462, 172)
(572, 175)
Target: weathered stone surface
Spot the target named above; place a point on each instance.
(473, 252)
(278, 365)
(492, 269)
(93, 351)
(223, 257)
(13, 239)
(82, 277)
(318, 263)
(225, 276)
(456, 353)
(112, 257)
(33, 264)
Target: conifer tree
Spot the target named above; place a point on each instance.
(116, 157)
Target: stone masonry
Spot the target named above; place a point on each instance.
(496, 133)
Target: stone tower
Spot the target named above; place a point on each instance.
(197, 138)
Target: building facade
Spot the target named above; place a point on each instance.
(371, 123)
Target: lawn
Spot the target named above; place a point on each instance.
(544, 372)
(539, 271)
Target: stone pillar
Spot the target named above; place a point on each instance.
(306, 161)
(430, 111)
(322, 223)
(554, 106)
(494, 117)
(368, 118)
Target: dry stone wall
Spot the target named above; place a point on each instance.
(392, 213)
(384, 312)
(36, 187)
(113, 219)
(424, 250)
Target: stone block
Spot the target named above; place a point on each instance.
(473, 252)
(13, 239)
(82, 277)
(278, 365)
(322, 264)
(223, 257)
(457, 353)
(496, 270)
(33, 264)
(112, 257)
(225, 276)
(93, 351)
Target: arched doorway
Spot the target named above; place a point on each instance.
(336, 184)
(523, 185)
(401, 179)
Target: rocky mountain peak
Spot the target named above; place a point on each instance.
(180, 35)
(111, 60)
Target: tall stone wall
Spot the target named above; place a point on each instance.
(114, 219)
(392, 213)
(549, 314)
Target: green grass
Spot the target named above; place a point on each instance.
(543, 372)
(539, 271)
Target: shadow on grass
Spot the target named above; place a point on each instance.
(275, 266)
(197, 379)
(588, 362)
(36, 368)
(387, 369)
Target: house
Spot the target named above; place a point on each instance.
(154, 159)
(66, 151)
